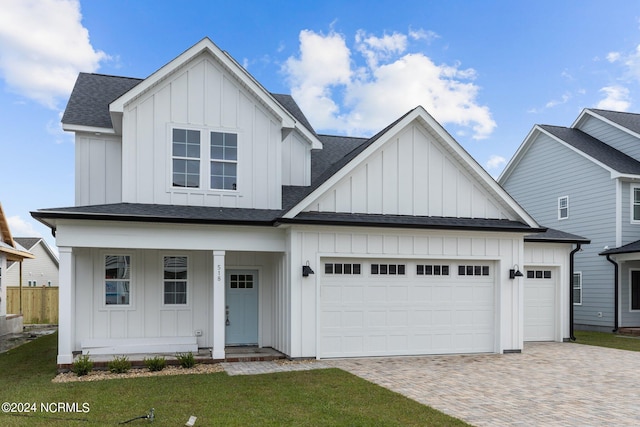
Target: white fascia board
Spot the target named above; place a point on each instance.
(87, 129)
(205, 45)
(583, 114)
(518, 155)
(614, 124)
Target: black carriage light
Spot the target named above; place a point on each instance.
(306, 270)
(515, 272)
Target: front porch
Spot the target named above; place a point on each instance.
(203, 356)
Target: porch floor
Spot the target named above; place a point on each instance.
(232, 354)
(632, 331)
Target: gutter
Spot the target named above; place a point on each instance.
(615, 294)
(572, 337)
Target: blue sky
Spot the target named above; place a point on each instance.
(488, 71)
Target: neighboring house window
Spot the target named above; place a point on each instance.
(577, 288)
(186, 158)
(432, 270)
(635, 205)
(388, 269)
(175, 280)
(473, 270)
(336, 268)
(117, 274)
(224, 161)
(635, 290)
(563, 207)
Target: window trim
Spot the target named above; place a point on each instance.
(631, 309)
(632, 204)
(579, 274)
(187, 304)
(560, 208)
(205, 159)
(185, 158)
(103, 280)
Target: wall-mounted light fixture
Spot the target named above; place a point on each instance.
(306, 270)
(515, 272)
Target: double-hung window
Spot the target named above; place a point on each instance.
(563, 207)
(117, 279)
(186, 158)
(175, 280)
(577, 288)
(224, 161)
(635, 204)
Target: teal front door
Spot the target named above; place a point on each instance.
(242, 307)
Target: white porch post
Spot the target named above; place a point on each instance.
(218, 305)
(66, 305)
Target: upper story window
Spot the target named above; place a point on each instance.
(563, 207)
(224, 160)
(193, 164)
(635, 203)
(186, 158)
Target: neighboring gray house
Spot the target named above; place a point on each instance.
(585, 179)
(39, 271)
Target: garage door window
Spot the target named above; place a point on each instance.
(432, 270)
(473, 270)
(538, 274)
(341, 268)
(388, 269)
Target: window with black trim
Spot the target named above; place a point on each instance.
(432, 270)
(342, 268)
(388, 269)
(473, 270)
(175, 280)
(538, 274)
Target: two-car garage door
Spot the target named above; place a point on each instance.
(406, 307)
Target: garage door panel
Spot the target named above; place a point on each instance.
(406, 314)
(539, 304)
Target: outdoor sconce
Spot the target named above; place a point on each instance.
(306, 270)
(515, 272)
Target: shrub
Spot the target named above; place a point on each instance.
(186, 360)
(156, 363)
(82, 365)
(119, 365)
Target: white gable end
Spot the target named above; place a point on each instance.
(412, 173)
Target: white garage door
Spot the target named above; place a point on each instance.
(388, 308)
(539, 304)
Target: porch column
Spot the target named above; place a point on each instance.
(218, 305)
(66, 305)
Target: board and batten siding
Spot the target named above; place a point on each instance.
(296, 160)
(201, 95)
(550, 170)
(613, 136)
(98, 166)
(411, 174)
(314, 243)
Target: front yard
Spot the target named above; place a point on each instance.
(317, 397)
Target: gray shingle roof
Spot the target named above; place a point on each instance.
(27, 242)
(557, 236)
(630, 121)
(625, 249)
(290, 105)
(596, 149)
(89, 101)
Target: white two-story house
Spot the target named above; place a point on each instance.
(210, 214)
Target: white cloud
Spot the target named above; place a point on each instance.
(563, 100)
(616, 98)
(21, 228)
(613, 56)
(336, 94)
(495, 162)
(44, 46)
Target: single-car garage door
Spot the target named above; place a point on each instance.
(406, 307)
(539, 304)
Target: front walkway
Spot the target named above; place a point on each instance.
(549, 384)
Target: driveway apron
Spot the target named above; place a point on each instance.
(548, 384)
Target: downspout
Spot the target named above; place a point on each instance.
(571, 262)
(615, 294)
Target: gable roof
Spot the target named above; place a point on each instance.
(12, 250)
(628, 122)
(31, 242)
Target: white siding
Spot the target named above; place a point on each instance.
(200, 95)
(412, 174)
(98, 169)
(296, 160)
(42, 269)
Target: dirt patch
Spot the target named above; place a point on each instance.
(30, 333)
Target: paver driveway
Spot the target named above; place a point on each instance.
(548, 384)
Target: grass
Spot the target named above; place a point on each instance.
(606, 339)
(306, 398)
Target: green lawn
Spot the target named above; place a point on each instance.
(605, 339)
(307, 398)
